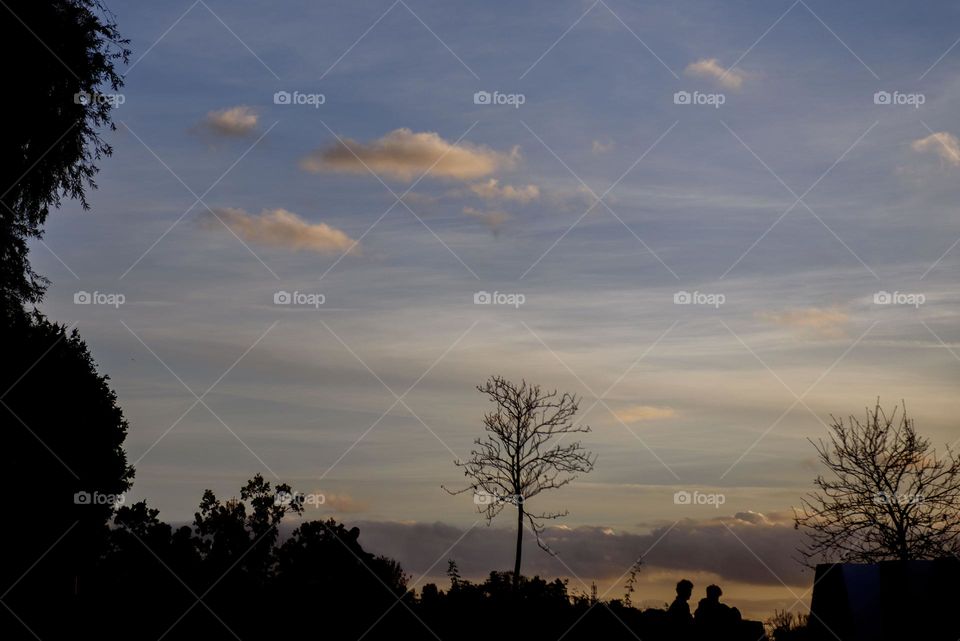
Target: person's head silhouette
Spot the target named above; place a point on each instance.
(714, 592)
(684, 589)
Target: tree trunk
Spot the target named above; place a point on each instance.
(516, 563)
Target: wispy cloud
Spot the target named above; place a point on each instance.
(826, 322)
(234, 121)
(493, 190)
(281, 228)
(344, 504)
(942, 143)
(492, 219)
(403, 154)
(711, 68)
(639, 413)
(601, 147)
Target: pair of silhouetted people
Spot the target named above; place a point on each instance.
(712, 619)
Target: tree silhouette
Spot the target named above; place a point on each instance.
(60, 420)
(517, 459)
(889, 496)
(65, 51)
(63, 431)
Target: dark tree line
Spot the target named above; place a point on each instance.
(62, 427)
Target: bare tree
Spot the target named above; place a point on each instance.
(517, 458)
(889, 496)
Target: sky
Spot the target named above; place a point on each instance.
(718, 223)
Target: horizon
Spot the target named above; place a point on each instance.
(718, 226)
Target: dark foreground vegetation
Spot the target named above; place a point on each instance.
(229, 576)
(78, 564)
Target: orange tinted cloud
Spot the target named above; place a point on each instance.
(404, 155)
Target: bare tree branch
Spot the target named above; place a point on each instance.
(515, 461)
(888, 495)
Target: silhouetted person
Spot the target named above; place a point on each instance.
(715, 620)
(678, 614)
(679, 610)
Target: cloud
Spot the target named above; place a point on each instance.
(416, 198)
(689, 548)
(344, 503)
(828, 322)
(492, 189)
(235, 121)
(943, 144)
(711, 68)
(281, 228)
(404, 155)
(493, 219)
(639, 413)
(599, 147)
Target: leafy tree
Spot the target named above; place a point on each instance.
(517, 458)
(243, 529)
(60, 421)
(62, 53)
(63, 431)
(888, 495)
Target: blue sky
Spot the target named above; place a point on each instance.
(796, 201)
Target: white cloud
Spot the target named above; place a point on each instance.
(405, 155)
(711, 68)
(493, 190)
(281, 228)
(943, 144)
(235, 121)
